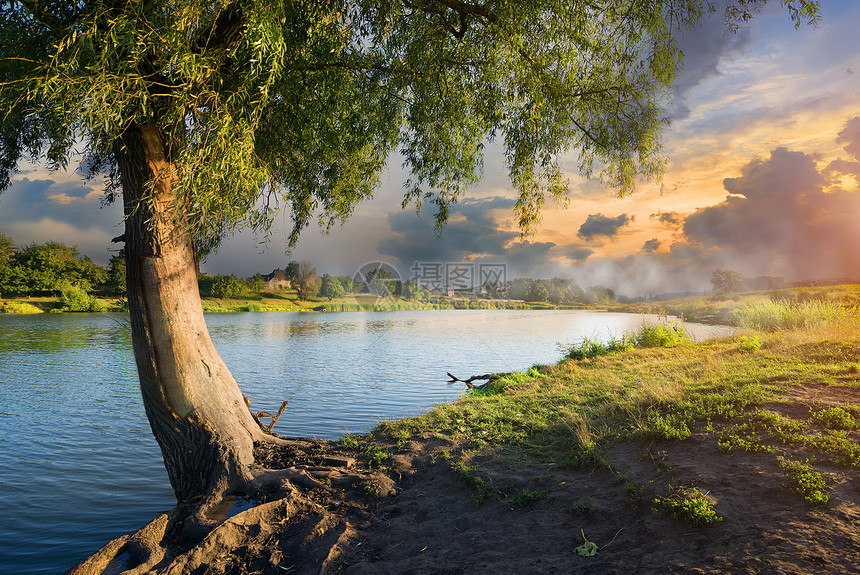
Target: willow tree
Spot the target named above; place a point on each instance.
(205, 116)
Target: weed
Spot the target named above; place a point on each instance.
(370, 487)
(844, 449)
(483, 487)
(589, 348)
(350, 441)
(749, 343)
(807, 481)
(838, 417)
(378, 456)
(588, 548)
(668, 334)
(527, 496)
(690, 505)
(665, 426)
(580, 508)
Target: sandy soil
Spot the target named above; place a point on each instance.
(424, 521)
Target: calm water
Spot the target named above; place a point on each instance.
(79, 466)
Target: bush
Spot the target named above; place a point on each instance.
(75, 299)
(749, 344)
(589, 348)
(228, 286)
(660, 335)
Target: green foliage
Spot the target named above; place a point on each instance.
(589, 348)
(331, 288)
(749, 343)
(807, 481)
(117, 274)
(598, 295)
(690, 505)
(537, 291)
(588, 548)
(649, 335)
(76, 299)
(660, 335)
(307, 283)
(309, 99)
(224, 286)
(528, 496)
(580, 508)
(47, 267)
(839, 417)
(256, 283)
(350, 441)
(293, 271)
(482, 487)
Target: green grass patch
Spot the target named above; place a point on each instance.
(807, 481)
(690, 505)
(773, 315)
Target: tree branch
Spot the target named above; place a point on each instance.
(469, 381)
(42, 16)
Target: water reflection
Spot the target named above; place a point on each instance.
(72, 424)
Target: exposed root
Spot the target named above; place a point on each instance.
(138, 552)
(297, 509)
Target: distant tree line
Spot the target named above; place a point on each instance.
(51, 267)
(61, 270)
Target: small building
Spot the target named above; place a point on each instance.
(277, 280)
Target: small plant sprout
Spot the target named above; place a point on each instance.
(588, 548)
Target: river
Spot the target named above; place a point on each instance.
(79, 465)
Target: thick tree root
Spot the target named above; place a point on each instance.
(297, 519)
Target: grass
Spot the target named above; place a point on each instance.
(598, 395)
(773, 315)
(690, 505)
(807, 481)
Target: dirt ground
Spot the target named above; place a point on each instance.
(419, 519)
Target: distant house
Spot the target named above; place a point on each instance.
(276, 280)
(762, 283)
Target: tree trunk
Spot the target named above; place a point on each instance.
(197, 413)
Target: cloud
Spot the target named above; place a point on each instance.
(599, 225)
(475, 233)
(68, 201)
(704, 48)
(780, 220)
(670, 219)
(851, 135)
(579, 254)
(651, 246)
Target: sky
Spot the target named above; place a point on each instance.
(763, 179)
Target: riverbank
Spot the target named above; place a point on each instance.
(288, 300)
(737, 455)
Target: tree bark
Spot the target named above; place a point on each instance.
(194, 405)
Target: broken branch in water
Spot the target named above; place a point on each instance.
(259, 414)
(469, 381)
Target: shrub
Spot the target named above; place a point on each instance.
(749, 344)
(589, 348)
(807, 481)
(660, 335)
(691, 505)
(76, 299)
